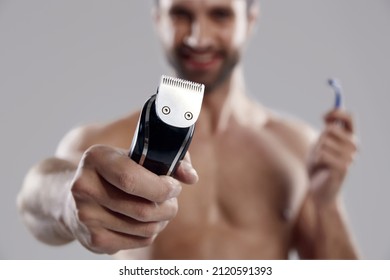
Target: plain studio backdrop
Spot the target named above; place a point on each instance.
(66, 63)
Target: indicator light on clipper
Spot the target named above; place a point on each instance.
(166, 125)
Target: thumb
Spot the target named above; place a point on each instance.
(185, 172)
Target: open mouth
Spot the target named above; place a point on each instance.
(201, 61)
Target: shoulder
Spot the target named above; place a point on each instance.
(118, 133)
(294, 133)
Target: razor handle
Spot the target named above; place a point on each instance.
(158, 146)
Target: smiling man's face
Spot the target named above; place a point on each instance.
(203, 39)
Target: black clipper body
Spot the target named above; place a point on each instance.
(166, 125)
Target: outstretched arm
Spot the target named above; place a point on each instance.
(100, 197)
(42, 200)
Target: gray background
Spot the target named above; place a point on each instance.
(65, 63)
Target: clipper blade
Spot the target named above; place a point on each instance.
(184, 84)
(178, 101)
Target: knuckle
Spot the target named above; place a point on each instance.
(86, 217)
(166, 191)
(111, 251)
(142, 212)
(81, 190)
(173, 208)
(91, 154)
(151, 229)
(162, 195)
(168, 209)
(144, 242)
(83, 216)
(98, 241)
(127, 181)
(78, 188)
(95, 153)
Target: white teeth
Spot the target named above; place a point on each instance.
(202, 58)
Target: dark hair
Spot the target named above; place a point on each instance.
(249, 3)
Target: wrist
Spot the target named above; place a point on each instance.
(73, 228)
(329, 204)
(67, 221)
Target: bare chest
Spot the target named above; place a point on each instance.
(237, 209)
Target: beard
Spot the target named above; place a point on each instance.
(213, 78)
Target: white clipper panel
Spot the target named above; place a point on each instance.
(178, 101)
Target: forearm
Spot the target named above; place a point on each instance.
(333, 239)
(43, 197)
(322, 232)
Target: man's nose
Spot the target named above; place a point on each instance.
(200, 35)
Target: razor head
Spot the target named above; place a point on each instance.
(178, 101)
(336, 85)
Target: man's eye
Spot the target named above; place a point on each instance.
(222, 14)
(180, 14)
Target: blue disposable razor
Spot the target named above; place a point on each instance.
(166, 125)
(338, 103)
(335, 84)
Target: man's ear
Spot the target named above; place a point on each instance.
(253, 16)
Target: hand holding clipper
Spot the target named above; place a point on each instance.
(166, 125)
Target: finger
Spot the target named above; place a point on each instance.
(86, 185)
(186, 172)
(340, 116)
(327, 160)
(109, 242)
(95, 216)
(121, 202)
(141, 209)
(100, 238)
(119, 170)
(344, 153)
(122, 224)
(345, 139)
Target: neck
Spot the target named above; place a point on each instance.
(224, 102)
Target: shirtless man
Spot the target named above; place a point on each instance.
(257, 185)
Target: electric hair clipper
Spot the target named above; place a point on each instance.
(166, 125)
